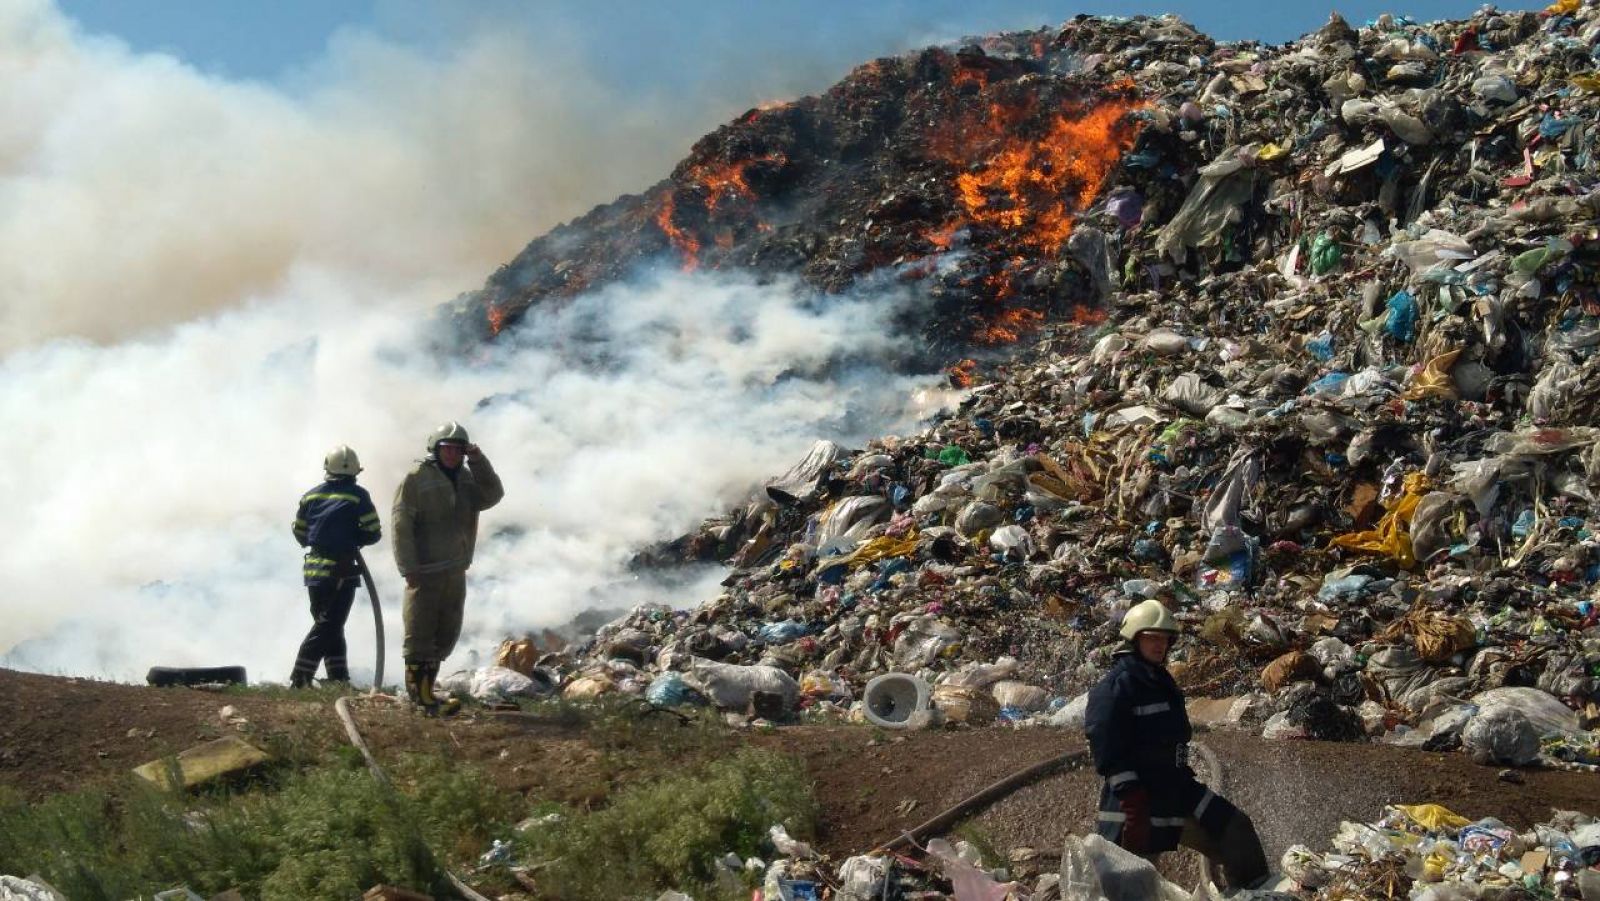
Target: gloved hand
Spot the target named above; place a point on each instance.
(1135, 803)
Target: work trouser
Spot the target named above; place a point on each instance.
(433, 615)
(330, 608)
(1237, 850)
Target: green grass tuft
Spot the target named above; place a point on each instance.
(669, 833)
(328, 832)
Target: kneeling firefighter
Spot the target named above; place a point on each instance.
(1139, 734)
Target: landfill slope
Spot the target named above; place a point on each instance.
(1326, 392)
(955, 172)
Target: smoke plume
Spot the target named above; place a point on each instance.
(207, 283)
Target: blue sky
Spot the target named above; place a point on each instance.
(657, 41)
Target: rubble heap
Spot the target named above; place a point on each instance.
(1333, 405)
(1424, 851)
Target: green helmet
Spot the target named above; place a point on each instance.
(341, 461)
(1148, 616)
(451, 431)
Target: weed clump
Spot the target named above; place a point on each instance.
(668, 834)
(328, 832)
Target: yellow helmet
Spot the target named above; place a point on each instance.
(1149, 616)
(341, 461)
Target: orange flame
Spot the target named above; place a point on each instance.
(944, 236)
(970, 76)
(497, 319)
(688, 246)
(1036, 187)
(1010, 325)
(721, 183)
(963, 373)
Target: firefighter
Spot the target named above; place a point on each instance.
(1139, 731)
(435, 529)
(334, 520)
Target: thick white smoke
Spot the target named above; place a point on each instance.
(204, 284)
(152, 517)
(137, 192)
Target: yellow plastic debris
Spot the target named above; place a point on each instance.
(1563, 7)
(1392, 537)
(882, 548)
(1433, 817)
(1434, 379)
(1587, 82)
(1272, 151)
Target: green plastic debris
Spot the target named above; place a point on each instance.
(1530, 261)
(954, 456)
(1325, 254)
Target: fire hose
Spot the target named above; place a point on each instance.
(377, 620)
(994, 792)
(342, 708)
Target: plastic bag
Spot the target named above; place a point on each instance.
(668, 690)
(925, 639)
(730, 686)
(15, 888)
(1190, 393)
(1325, 254)
(1435, 248)
(781, 632)
(967, 881)
(1401, 323)
(1165, 342)
(1433, 817)
(1547, 714)
(496, 682)
(1093, 869)
(1012, 542)
(1392, 536)
(978, 516)
(1503, 735)
(861, 878)
(826, 686)
(1021, 695)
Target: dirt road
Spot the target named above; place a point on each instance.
(69, 733)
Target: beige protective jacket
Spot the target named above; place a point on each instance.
(436, 520)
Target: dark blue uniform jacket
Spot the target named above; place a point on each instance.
(1139, 735)
(334, 520)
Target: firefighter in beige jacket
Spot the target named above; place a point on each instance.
(435, 528)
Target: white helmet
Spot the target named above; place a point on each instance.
(1149, 616)
(451, 431)
(341, 461)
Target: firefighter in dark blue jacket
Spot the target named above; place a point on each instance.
(1139, 735)
(335, 519)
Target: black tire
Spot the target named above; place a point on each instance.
(165, 676)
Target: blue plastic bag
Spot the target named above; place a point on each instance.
(1402, 322)
(781, 632)
(668, 690)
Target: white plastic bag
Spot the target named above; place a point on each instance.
(730, 686)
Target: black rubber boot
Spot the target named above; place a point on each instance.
(299, 678)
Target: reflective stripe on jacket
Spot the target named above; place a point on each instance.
(1138, 734)
(436, 517)
(334, 519)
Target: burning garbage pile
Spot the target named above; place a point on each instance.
(960, 173)
(1334, 407)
